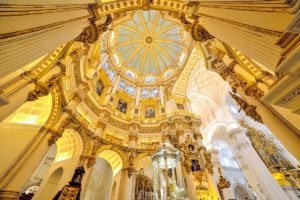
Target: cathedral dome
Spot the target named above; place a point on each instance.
(148, 47)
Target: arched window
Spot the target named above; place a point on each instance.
(122, 85)
(130, 74)
(130, 90)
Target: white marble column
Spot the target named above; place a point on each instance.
(227, 192)
(116, 84)
(15, 100)
(253, 167)
(137, 96)
(103, 59)
(127, 184)
(161, 95)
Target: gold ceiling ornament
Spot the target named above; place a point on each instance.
(250, 110)
(253, 90)
(55, 135)
(199, 34)
(91, 33)
(41, 89)
(282, 169)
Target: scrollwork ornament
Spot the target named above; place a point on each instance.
(55, 135)
(250, 110)
(41, 89)
(89, 34)
(199, 33)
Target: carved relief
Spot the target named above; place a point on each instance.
(250, 110)
(199, 33)
(89, 35)
(41, 89)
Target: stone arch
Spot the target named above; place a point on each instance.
(140, 157)
(240, 189)
(120, 152)
(85, 139)
(69, 145)
(52, 184)
(100, 181)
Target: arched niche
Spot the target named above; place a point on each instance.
(144, 167)
(113, 158)
(68, 150)
(100, 182)
(241, 192)
(115, 151)
(19, 129)
(70, 145)
(33, 184)
(51, 186)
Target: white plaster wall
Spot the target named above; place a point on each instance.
(68, 167)
(13, 139)
(100, 182)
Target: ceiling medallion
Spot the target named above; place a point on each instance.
(149, 39)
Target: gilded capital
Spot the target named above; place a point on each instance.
(41, 89)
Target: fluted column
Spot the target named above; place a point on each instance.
(24, 42)
(127, 184)
(137, 96)
(14, 100)
(253, 167)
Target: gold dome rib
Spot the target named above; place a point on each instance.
(128, 42)
(134, 53)
(166, 54)
(169, 41)
(143, 22)
(165, 29)
(144, 58)
(133, 30)
(154, 23)
(155, 59)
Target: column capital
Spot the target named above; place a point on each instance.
(76, 97)
(180, 132)
(41, 89)
(133, 137)
(55, 135)
(199, 34)
(101, 125)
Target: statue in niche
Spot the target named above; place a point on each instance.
(122, 106)
(180, 106)
(150, 112)
(195, 166)
(191, 147)
(99, 87)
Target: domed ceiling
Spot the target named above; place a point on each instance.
(149, 47)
